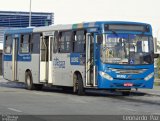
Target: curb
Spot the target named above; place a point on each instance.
(147, 93)
(156, 83)
(153, 94)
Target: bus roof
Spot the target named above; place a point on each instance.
(18, 30)
(70, 26)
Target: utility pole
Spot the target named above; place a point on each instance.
(30, 15)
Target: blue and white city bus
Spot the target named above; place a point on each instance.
(111, 55)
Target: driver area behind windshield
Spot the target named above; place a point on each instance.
(127, 49)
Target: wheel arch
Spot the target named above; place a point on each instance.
(78, 73)
(78, 83)
(29, 83)
(28, 71)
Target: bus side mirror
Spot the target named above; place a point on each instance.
(156, 55)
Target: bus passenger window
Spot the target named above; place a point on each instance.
(8, 45)
(55, 42)
(25, 43)
(79, 42)
(61, 43)
(65, 42)
(44, 48)
(35, 48)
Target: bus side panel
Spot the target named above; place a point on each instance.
(29, 62)
(63, 71)
(7, 64)
(80, 69)
(35, 67)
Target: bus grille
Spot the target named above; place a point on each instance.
(129, 71)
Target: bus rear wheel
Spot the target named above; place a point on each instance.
(28, 80)
(78, 84)
(38, 86)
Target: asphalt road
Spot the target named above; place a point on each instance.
(14, 99)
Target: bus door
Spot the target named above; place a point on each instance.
(14, 58)
(46, 59)
(43, 58)
(50, 60)
(90, 66)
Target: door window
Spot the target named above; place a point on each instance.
(79, 42)
(8, 44)
(25, 43)
(65, 42)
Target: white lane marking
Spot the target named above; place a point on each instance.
(43, 94)
(129, 109)
(12, 109)
(37, 93)
(155, 113)
(78, 100)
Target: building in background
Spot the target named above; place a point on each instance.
(17, 19)
(157, 56)
(155, 44)
(13, 19)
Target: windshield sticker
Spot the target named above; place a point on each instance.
(131, 61)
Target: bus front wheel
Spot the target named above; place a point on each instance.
(28, 80)
(78, 84)
(126, 93)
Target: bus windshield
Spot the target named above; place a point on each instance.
(127, 49)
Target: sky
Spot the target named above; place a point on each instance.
(76, 11)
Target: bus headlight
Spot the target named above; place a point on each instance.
(149, 76)
(104, 75)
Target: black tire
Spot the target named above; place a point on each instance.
(79, 89)
(29, 81)
(66, 88)
(126, 93)
(38, 86)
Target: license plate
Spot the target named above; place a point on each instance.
(128, 84)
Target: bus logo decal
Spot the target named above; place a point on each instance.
(121, 76)
(24, 57)
(58, 64)
(75, 59)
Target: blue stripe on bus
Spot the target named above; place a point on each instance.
(7, 57)
(25, 57)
